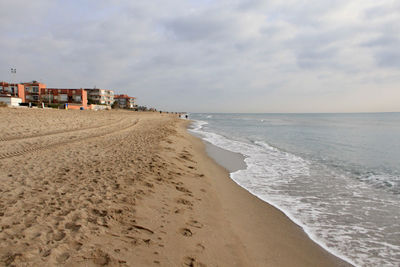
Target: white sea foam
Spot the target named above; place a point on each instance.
(322, 203)
(197, 126)
(391, 182)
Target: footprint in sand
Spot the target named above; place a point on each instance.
(186, 232)
(192, 262)
(200, 247)
(58, 236)
(46, 253)
(178, 211)
(186, 157)
(101, 258)
(76, 245)
(72, 226)
(184, 202)
(150, 185)
(195, 223)
(62, 257)
(182, 189)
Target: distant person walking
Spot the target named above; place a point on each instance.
(186, 116)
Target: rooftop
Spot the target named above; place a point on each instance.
(123, 96)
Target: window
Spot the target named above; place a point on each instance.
(63, 97)
(35, 97)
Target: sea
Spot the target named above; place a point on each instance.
(335, 175)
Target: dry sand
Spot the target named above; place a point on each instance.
(118, 188)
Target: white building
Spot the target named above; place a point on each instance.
(100, 96)
(11, 101)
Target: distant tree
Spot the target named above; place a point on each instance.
(142, 108)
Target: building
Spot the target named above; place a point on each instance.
(12, 90)
(32, 91)
(76, 98)
(100, 96)
(37, 93)
(10, 101)
(125, 101)
(28, 92)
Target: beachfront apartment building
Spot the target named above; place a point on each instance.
(28, 92)
(12, 94)
(125, 101)
(76, 98)
(36, 93)
(32, 91)
(100, 96)
(12, 90)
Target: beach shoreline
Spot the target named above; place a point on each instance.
(252, 205)
(233, 162)
(118, 188)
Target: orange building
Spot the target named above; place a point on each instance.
(32, 91)
(76, 98)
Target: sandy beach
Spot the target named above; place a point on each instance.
(120, 188)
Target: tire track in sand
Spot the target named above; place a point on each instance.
(14, 138)
(69, 141)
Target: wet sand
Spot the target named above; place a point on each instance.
(231, 161)
(118, 188)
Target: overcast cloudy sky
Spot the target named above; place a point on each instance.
(210, 55)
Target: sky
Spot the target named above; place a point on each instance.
(210, 55)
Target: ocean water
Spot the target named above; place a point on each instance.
(335, 175)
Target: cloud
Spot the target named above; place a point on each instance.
(385, 50)
(193, 28)
(203, 55)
